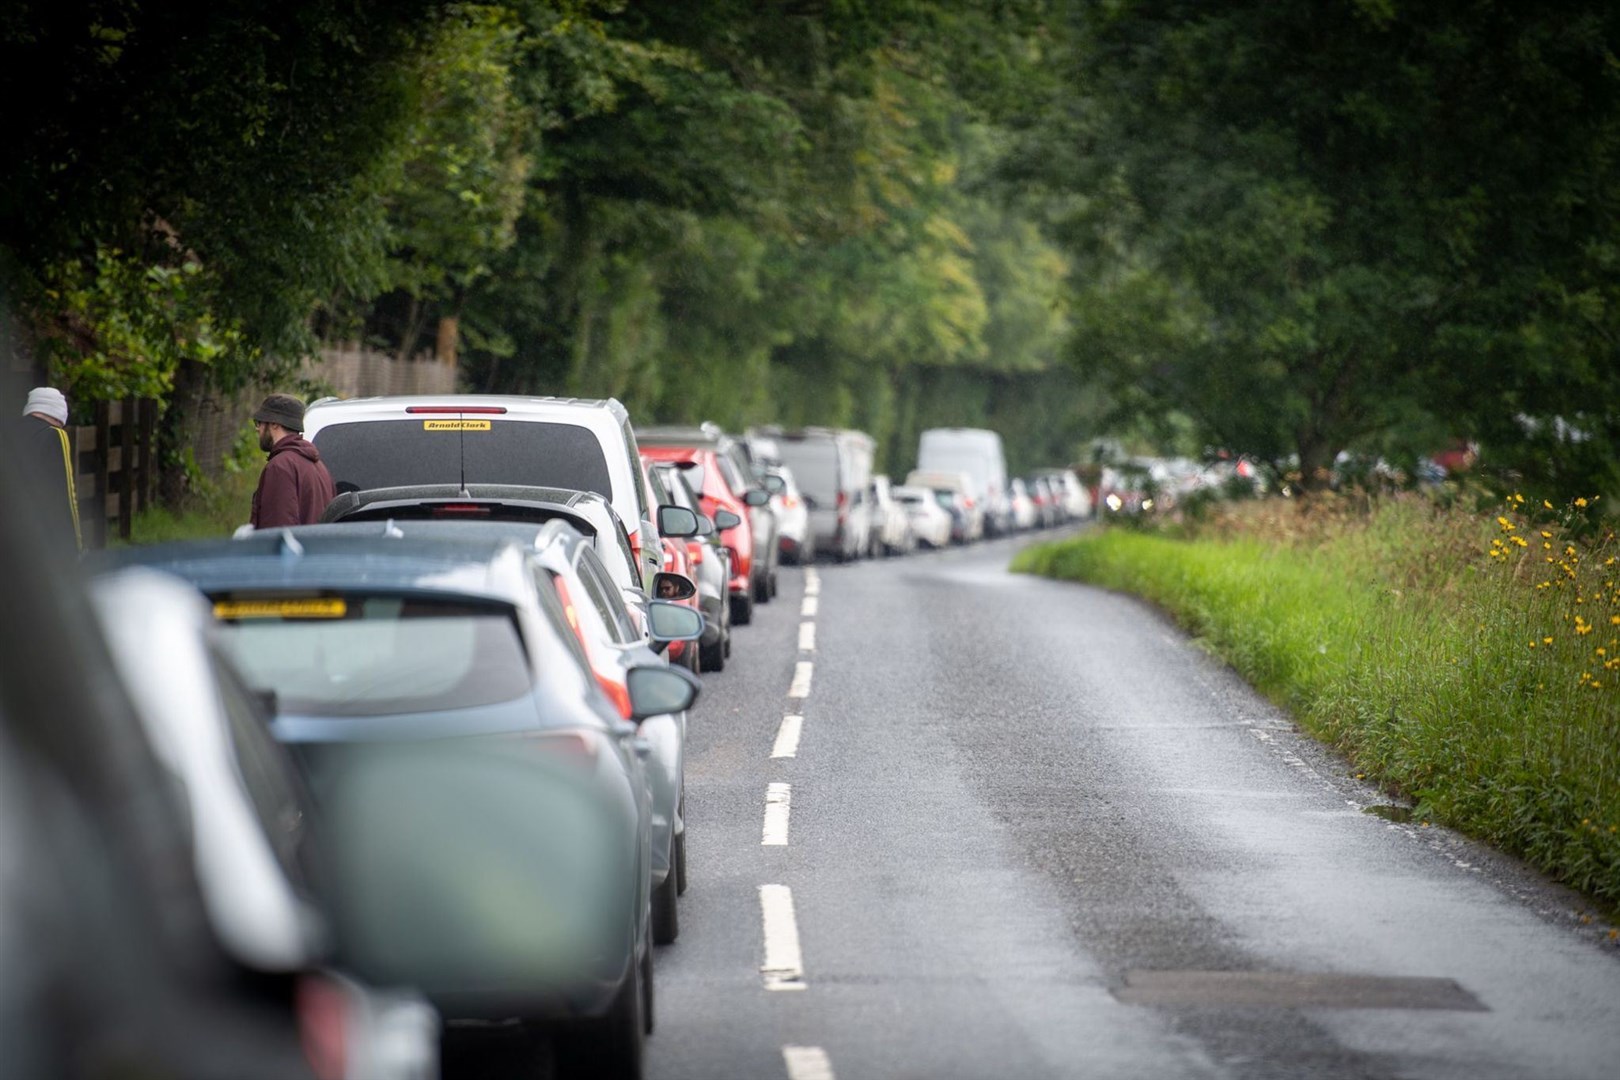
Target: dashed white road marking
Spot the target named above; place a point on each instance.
(784, 964)
(812, 582)
(777, 800)
(808, 608)
(800, 687)
(787, 737)
(807, 1063)
(807, 637)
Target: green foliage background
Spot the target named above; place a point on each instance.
(1280, 229)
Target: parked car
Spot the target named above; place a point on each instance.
(586, 511)
(1024, 514)
(957, 493)
(463, 439)
(891, 526)
(930, 522)
(1071, 491)
(252, 825)
(978, 453)
(721, 485)
(833, 468)
(795, 542)
(366, 640)
(112, 966)
(710, 563)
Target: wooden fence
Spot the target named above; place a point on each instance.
(115, 465)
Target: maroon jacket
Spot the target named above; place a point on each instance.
(294, 487)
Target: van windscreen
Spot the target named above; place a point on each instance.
(373, 454)
(815, 467)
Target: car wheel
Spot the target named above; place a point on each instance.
(614, 1046)
(762, 589)
(775, 585)
(728, 642)
(666, 918)
(713, 657)
(742, 610)
(680, 863)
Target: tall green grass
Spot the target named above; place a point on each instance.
(1403, 636)
(214, 511)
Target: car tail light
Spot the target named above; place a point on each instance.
(635, 546)
(461, 510)
(843, 506)
(789, 501)
(694, 552)
(481, 410)
(736, 559)
(616, 690)
(323, 1021)
(669, 558)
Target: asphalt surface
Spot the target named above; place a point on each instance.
(1032, 831)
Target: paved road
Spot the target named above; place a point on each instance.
(1029, 830)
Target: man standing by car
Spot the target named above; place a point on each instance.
(43, 440)
(294, 487)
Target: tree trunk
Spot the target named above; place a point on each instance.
(448, 339)
(177, 433)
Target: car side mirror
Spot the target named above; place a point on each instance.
(655, 689)
(774, 484)
(756, 497)
(725, 519)
(706, 525)
(668, 621)
(668, 586)
(677, 521)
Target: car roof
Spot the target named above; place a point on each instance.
(516, 405)
(488, 568)
(581, 505)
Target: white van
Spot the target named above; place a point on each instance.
(833, 467)
(977, 452)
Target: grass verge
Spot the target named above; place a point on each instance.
(214, 512)
(1471, 663)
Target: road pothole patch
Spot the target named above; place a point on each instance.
(1294, 990)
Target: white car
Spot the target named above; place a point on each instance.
(930, 522)
(798, 545)
(1024, 512)
(963, 492)
(891, 525)
(386, 442)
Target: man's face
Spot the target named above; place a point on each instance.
(267, 438)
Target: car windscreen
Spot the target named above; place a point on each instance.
(374, 655)
(815, 466)
(363, 456)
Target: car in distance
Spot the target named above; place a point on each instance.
(930, 522)
(833, 467)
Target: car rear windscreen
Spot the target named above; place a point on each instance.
(446, 450)
(346, 656)
(815, 466)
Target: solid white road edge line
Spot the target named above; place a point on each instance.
(787, 737)
(800, 687)
(808, 608)
(807, 1063)
(778, 798)
(784, 966)
(807, 637)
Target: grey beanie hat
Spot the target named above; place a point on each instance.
(283, 409)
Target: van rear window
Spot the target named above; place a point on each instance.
(815, 466)
(373, 454)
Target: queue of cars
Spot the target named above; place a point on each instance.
(411, 779)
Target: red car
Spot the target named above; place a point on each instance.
(708, 478)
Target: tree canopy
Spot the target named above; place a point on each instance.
(1285, 230)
